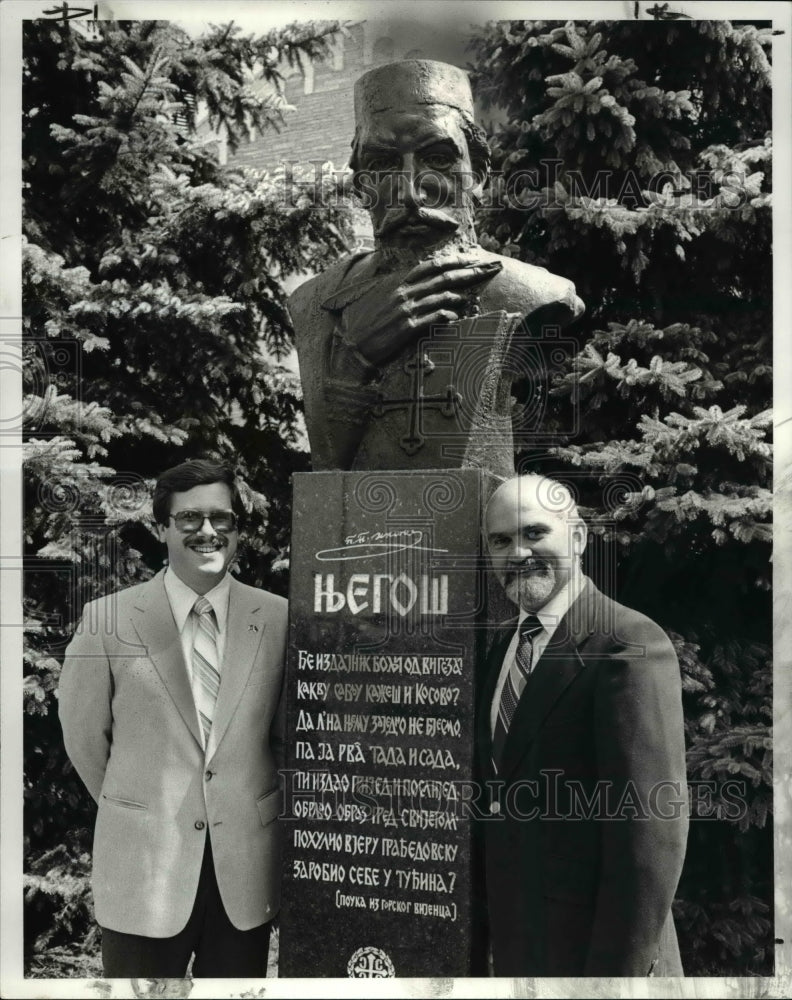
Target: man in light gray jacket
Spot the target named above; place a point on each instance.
(170, 702)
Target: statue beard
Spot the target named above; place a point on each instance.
(445, 234)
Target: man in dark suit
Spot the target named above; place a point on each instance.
(581, 749)
(170, 705)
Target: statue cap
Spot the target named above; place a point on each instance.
(409, 82)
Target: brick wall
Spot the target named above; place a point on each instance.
(322, 124)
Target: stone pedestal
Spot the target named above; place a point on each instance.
(387, 595)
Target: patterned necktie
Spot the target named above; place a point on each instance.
(206, 664)
(515, 683)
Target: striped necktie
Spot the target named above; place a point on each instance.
(515, 683)
(206, 665)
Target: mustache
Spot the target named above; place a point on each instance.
(395, 218)
(531, 565)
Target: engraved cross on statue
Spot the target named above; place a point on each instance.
(446, 402)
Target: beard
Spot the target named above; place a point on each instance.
(532, 586)
(445, 233)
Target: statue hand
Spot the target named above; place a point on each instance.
(397, 308)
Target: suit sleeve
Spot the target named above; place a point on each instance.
(278, 733)
(278, 725)
(640, 749)
(84, 702)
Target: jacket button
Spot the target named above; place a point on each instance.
(495, 808)
(209, 775)
(199, 824)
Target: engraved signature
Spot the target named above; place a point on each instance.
(370, 544)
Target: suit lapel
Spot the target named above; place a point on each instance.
(558, 666)
(246, 626)
(494, 663)
(153, 621)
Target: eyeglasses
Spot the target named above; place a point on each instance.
(192, 520)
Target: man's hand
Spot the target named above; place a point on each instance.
(382, 315)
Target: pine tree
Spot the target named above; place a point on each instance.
(156, 327)
(636, 159)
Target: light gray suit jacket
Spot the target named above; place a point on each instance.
(131, 731)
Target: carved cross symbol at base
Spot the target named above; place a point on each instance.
(446, 402)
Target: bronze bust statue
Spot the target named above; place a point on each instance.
(407, 352)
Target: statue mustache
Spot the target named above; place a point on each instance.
(395, 218)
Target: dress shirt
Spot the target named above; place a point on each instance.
(182, 600)
(550, 616)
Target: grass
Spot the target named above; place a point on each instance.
(74, 962)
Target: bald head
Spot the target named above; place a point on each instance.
(541, 491)
(535, 538)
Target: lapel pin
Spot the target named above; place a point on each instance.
(252, 628)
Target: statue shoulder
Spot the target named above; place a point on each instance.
(526, 288)
(311, 293)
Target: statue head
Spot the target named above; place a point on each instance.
(419, 161)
